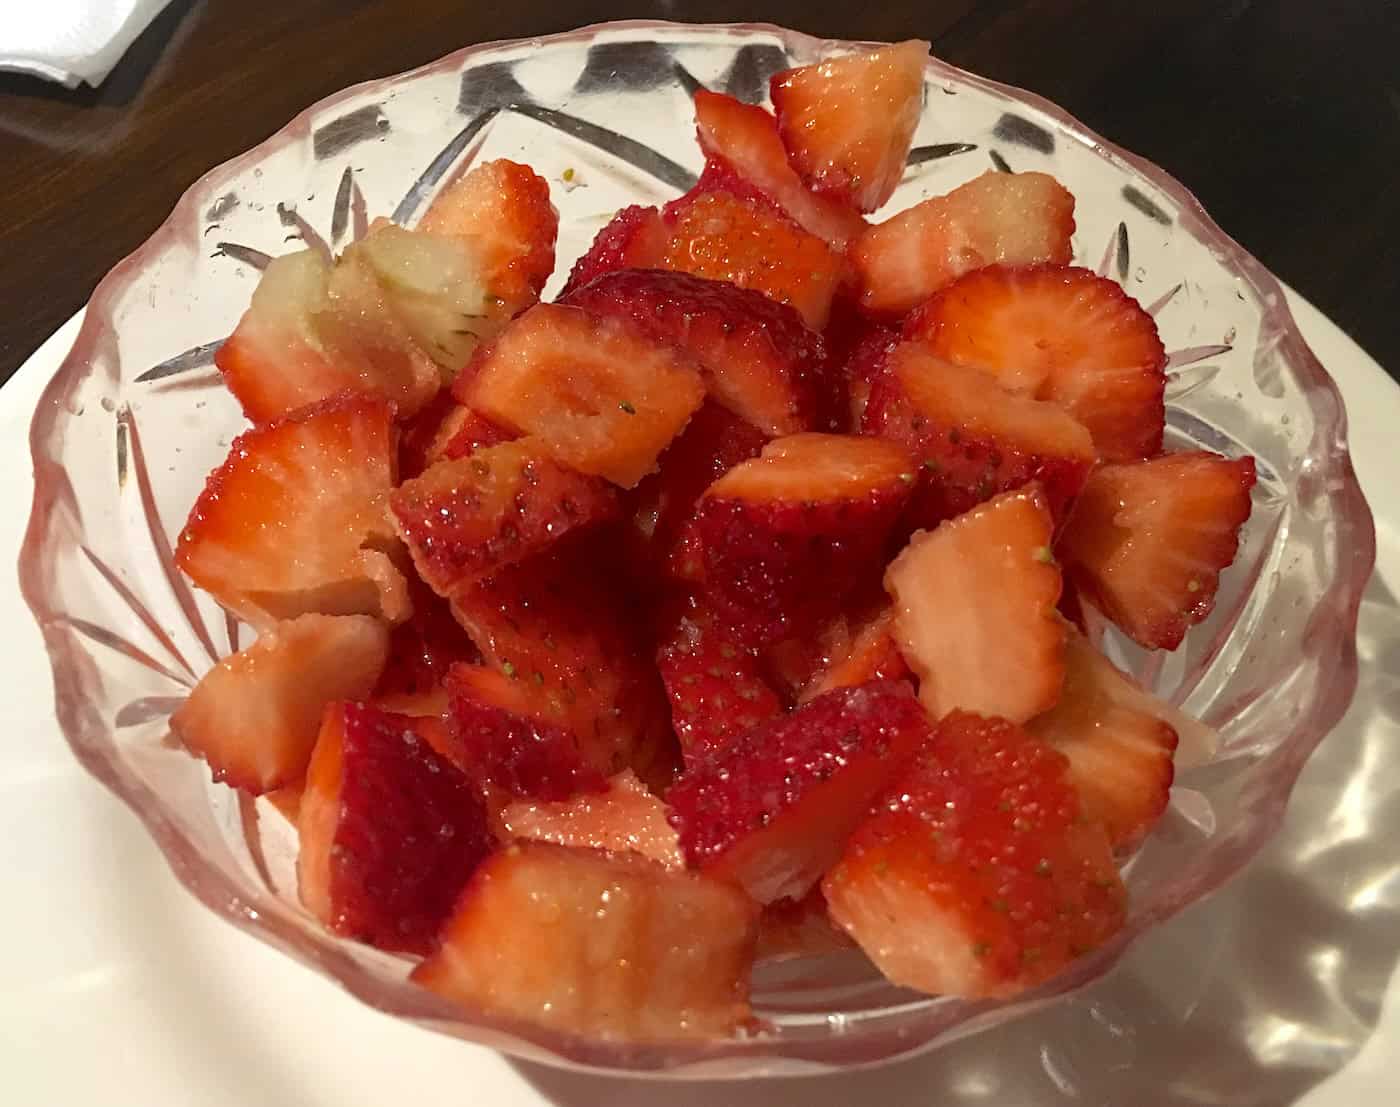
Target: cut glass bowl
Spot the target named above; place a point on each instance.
(136, 417)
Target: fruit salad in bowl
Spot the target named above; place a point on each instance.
(754, 591)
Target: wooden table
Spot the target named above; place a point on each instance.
(1282, 115)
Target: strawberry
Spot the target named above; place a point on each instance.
(757, 357)
(730, 238)
(288, 524)
(848, 122)
(784, 537)
(996, 219)
(502, 210)
(1119, 741)
(390, 831)
(975, 610)
(465, 519)
(772, 809)
(746, 137)
(973, 439)
(634, 239)
(978, 876)
(1147, 540)
(856, 651)
(599, 945)
(502, 740)
(714, 682)
(799, 928)
(625, 818)
(444, 431)
(861, 363)
(602, 396)
(312, 331)
(422, 649)
(254, 716)
(1061, 334)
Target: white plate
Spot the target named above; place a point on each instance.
(117, 988)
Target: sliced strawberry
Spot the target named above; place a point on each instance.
(502, 209)
(714, 682)
(1061, 334)
(465, 519)
(634, 239)
(996, 219)
(1148, 540)
(746, 137)
(861, 364)
(390, 831)
(773, 808)
(856, 651)
(975, 610)
(288, 523)
(625, 818)
(799, 928)
(422, 649)
(972, 438)
(604, 397)
(978, 877)
(758, 358)
(312, 331)
(783, 538)
(1119, 741)
(847, 123)
(729, 238)
(444, 431)
(600, 945)
(254, 716)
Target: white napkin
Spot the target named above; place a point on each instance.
(70, 41)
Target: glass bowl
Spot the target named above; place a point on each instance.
(136, 417)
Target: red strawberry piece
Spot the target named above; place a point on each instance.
(465, 519)
(625, 818)
(972, 438)
(746, 137)
(603, 396)
(312, 331)
(758, 358)
(255, 715)
(1060, 334)
(634, 239)
(390, 831)
(783, 538)
(773, 808)
(848, 122)
(729, 238)
(855, 652)
(714, 682)
(975, 610)
(444, 431)
(858, 362)
(599, 945)
(996, 219)
(421, 651)
(1147, 540)
(978, 877)
(287, 524)
(721, 176)
(799, 928)
(1119, 740)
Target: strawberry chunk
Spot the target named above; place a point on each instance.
(603, 397)
(978, 877)
(1147, 540)
(634, 239)
(973, 439)
(725, 237)
(465, 519)
(772, 810)
(996, 219)
(625, 818)
(746, 138)
(856, 651)
(444, 431)
(288, 524)
(1061, 334)
(1119, 741)
(255, 715)
(861, 364)
(757, 357)
(848, 122)
(975, 610)
(603, 945)
(390, 832)
(783, 538)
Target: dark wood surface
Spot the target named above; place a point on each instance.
(1282, 115)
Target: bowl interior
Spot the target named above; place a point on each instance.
(137, 417)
